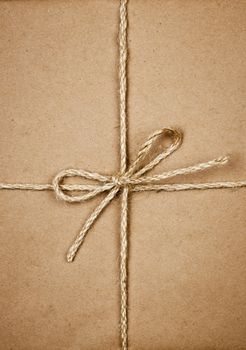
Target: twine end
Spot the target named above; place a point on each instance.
(224, 160)
(70, 258)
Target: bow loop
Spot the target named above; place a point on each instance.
(135, 171)
(88, 190)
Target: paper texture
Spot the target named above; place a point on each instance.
(59, 109)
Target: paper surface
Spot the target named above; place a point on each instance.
(59, 109)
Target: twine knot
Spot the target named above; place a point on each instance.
(119, 180)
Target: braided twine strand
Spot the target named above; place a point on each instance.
(129, 178)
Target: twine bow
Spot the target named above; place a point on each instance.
(133, 179)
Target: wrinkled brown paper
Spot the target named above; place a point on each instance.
(59, 109)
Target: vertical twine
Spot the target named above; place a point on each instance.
(123, 166)
(123, 83)
(123, 270)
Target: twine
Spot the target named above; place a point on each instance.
(129, 179)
